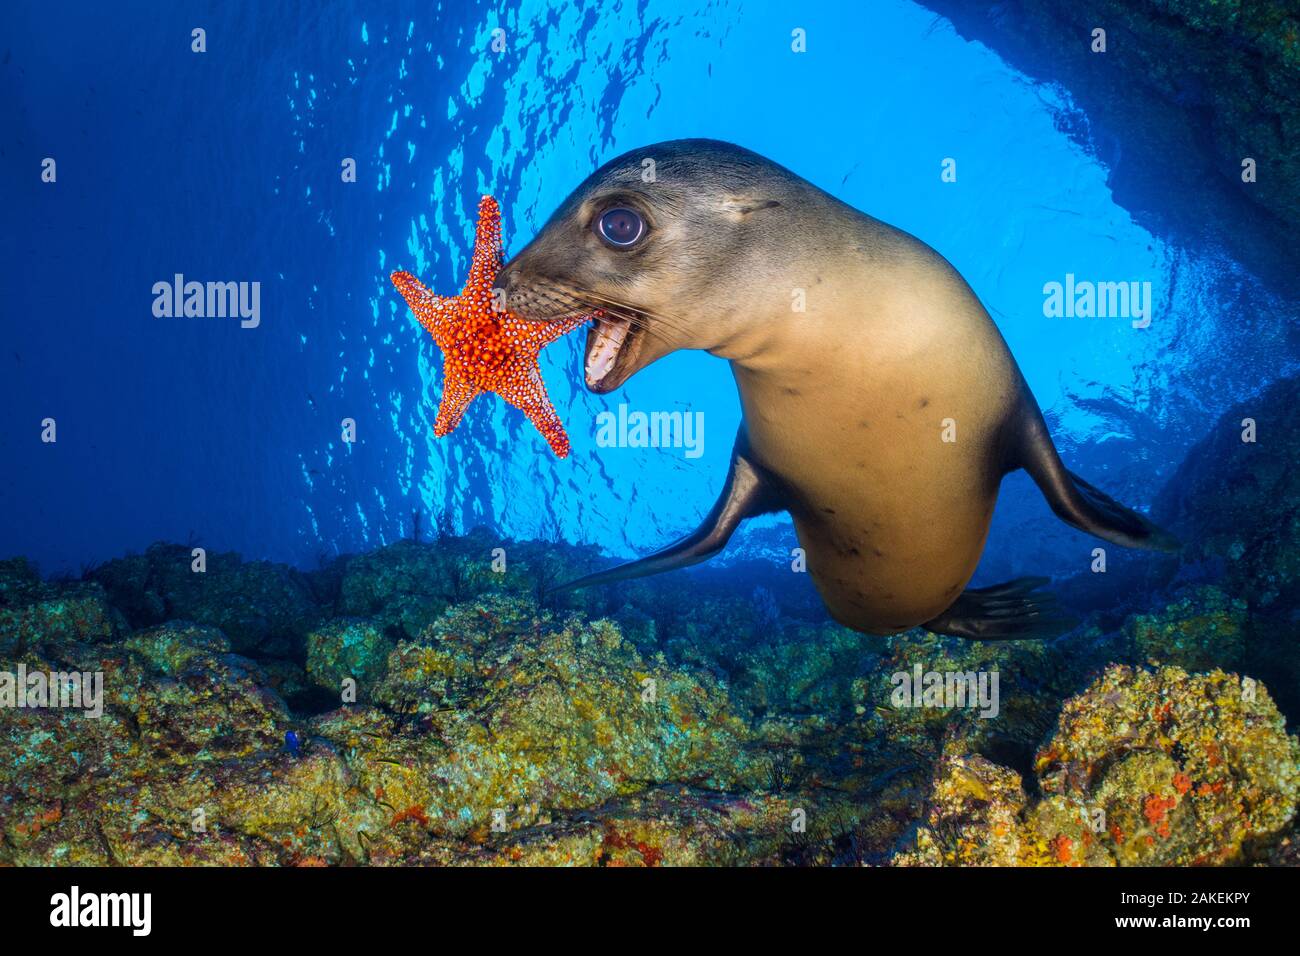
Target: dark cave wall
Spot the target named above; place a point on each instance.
(1185, 90)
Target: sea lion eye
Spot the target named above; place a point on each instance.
(620, 227)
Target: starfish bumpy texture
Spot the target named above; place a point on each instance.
(485, 349)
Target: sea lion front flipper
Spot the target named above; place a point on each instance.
(1077, 502)
(1014, 611)
(746, 494)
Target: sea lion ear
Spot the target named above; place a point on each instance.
(741, 206)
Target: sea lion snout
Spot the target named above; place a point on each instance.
(602, 257)
(541, 286)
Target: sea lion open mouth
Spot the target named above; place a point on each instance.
(612, 346)
(614, 331)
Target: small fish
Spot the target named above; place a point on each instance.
(292, 743)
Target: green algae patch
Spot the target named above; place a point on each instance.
(1202, 630)
(521, 717)
(347, 648)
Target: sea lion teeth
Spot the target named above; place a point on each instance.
(603, 353)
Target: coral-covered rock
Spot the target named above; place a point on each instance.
(168, 719)
(347, 648)
(1146, 768)
(1186, 768)
(173, 646)
(520, 716)
(669, 826)
(32, 611)
(406, 585)
(972, 819)
(1204, 629)
(511, 730)
(263, 608)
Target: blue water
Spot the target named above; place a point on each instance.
(225, 165)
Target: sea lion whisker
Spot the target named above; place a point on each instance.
(672, 320)
(630, 312)
(583, 300)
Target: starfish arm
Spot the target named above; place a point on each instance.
(483, 349)
(432, 311)
(527, 392)
(488, 257)
(457, 392)
(551, 331)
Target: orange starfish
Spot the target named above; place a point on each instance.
(485, 349)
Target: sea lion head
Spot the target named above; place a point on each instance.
(670, 243)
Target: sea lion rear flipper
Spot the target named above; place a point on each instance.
(746, 494)
(1077, 502)
(1015, 611)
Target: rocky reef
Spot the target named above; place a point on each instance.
(434, 703)
(1235, 501)
(1144, 769)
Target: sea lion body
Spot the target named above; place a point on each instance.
(881, 405)
(851, 424)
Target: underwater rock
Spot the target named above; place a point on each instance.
(519, 716)
(510, 732)
(406, 585)
(1210, 82)
(1185, 768)
(347, 648)
(1203, 630)
(1287, 852)
(174, 645)
(1146, 768)
(1237, 63)
(801, 670)
(972, 817)
(668, 826)
(127, 582)
(32, 611)
(263, 608)
(1031, 678)
(1229, 502)
(19, 582)
(289, 679)
(1228, 499)
(171, 718)
(498, 710)
(694, 619)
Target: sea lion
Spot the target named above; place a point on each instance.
(882, 407)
